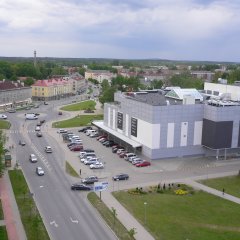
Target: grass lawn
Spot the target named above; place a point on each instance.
(4, 124)
(80, 106)
(192, 216)
(3, 233)
(70, 170)
(230, 184)
(1, 211)
(30, 216)
(108, 216)
(78, 121)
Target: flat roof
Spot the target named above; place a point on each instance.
(101, 125)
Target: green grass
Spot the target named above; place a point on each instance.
(70, 170)
(3, 233)
(5, 124)
(1, 211)
(193, 216)
(107, 214)
(30, 216)
(230, 184)
(80, 106)
(78, 121)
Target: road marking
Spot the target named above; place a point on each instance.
(54, 223)
(73, 221)
(41, 186)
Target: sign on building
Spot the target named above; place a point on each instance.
(120, 120)
(134, 127)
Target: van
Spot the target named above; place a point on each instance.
(3, 116)
(31, 116)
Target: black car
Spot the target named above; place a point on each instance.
(109, 143)
(88, 111)
(22, 143)
(88, 150)
(84, 129)
(90, 180)
(121, 176)
(79, 186)
(39, 134)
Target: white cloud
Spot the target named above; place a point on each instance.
(118, 27)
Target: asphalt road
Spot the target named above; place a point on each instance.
(66, 214)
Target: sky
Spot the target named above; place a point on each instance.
(199, 30)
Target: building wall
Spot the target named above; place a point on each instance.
(164, 131)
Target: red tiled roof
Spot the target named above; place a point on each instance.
(49, 82)
(7, 85)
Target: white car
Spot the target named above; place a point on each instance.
(97, 165)
(136, 161)
(91, 161)
(39, 171)
(33, 158)
(61, 131)
(48, 149)
(37, 128)
(3, 116)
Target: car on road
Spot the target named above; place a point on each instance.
(45, 103)
(3, 116)
(39, 134)
(143, 164)
(48, 149)
(60, 113)
(61, 131)
(12, 111)
(22, 143)
(37, 128)
(88, 111)
(39, 171)
(121, 176)
(33, 158)
(97, 165)
(90, 180)
(39, 124)
(80, 186)
(42, 121)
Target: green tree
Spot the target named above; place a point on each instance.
(29, 81)
(2, 143)
(157, 84)
(105, 85)
(108, 95)
(58, 70)
(234, 76)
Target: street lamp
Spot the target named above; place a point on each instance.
(145, 213)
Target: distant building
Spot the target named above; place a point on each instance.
(99, 75)
(13, 94)
(204, 75)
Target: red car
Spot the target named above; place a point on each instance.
(76, 148)
(143, 164)
(101, 136)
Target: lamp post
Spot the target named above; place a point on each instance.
(145, 213)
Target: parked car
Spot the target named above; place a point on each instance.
(42, 121)
(3, 116)
(128, 155)
(122, 154)
(60, 113)
(48, 149)
(39, 124)
(136, 161)
(109, 144)
(121, 176)
(33, 158)
(39, 134)
(72, 144)
(79, 186)
(114, 150)
(143, 164)
(91, 161)
(120, 150)
(101, 136)
(88, 150)
(76, 148)
(88, 111)
(97, 165)
(62, 131)
(84, 129)
(45, 103)
(22, 143)
(90, 180)
(39, 171)
(103, 139)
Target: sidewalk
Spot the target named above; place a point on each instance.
(12, 218)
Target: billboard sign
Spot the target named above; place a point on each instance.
(100, 186)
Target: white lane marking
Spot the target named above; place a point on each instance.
(54, 223)
(41, 186)
(73, 221)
